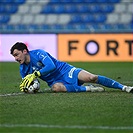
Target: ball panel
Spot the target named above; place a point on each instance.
(34, 87)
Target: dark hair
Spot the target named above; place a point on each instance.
(19, 46)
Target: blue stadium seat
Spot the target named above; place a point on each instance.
(2, 9)
(55, 1)
(20, 27)
(115, 1)
(19, 1)
(90, 1)
(88, 18)
(76, 19)
(107, 8)
(68, 26)
(58, 8)
(6, 1)
(82, 8)
(102, 1)
(56, 26)
(12, 1)
(6, 28)
(47, 9)
(100, 18)
(11, 8)
(108, 1)
(94, 8)
(4, 18)
(70, 8)
(106, 26)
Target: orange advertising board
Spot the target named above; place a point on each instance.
(95, 47)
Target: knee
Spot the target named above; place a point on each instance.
(93, 78)
(58, 87)
(55, 87)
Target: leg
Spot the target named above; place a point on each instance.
(86, 77)
(109, 82)
(113, 84)
(60, 87)
(102, 80)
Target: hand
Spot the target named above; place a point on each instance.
(25, 83)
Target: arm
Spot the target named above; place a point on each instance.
(48, 66)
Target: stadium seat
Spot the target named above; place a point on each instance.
(76, 18)
(70, 8)
(39, 19)
(120, 8)
(11, 9)
(113, 18)
(90, 1)
(94, 8)
(82, 8)
(23, 9)
(87, 18)
(47, 9)
(100, 18)
(125, 18)
(106, 8)
(58, 9)
(4, 18)
(63, 19)
(130, 8)
(35, 9)
(2, 9)
(15, 19)
(51, 19)
(18, 1)
(27, 19)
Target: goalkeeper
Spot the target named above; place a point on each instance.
(60, 76)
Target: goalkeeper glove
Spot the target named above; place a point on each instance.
(28, 79)
(23, 84)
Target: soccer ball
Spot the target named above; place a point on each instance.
(34, 86)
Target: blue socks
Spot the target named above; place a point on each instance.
(75, 88)
(102, 80)
(109, 82)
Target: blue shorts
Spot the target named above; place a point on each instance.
(70, 77)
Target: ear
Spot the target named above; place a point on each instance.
(25, 51)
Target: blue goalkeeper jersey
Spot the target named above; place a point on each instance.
(50, 68)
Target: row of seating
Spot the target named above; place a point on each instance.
(65, 18)
(12, 1)
(67, 8)
(79, 28)
(87, 1)
(66, 15)
(59, 1)
(76, 8)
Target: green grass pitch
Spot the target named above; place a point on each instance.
(110, 111)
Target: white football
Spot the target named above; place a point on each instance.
(34, 86)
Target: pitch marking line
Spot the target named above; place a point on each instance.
(10, 94)
(67, 126)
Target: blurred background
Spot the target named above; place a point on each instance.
(66, 16)
(32, 21)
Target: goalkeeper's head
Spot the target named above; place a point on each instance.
(19, 46)
(20, 52)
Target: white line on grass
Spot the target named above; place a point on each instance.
(10, 94)
(67, 126)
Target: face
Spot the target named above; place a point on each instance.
(20, 56)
